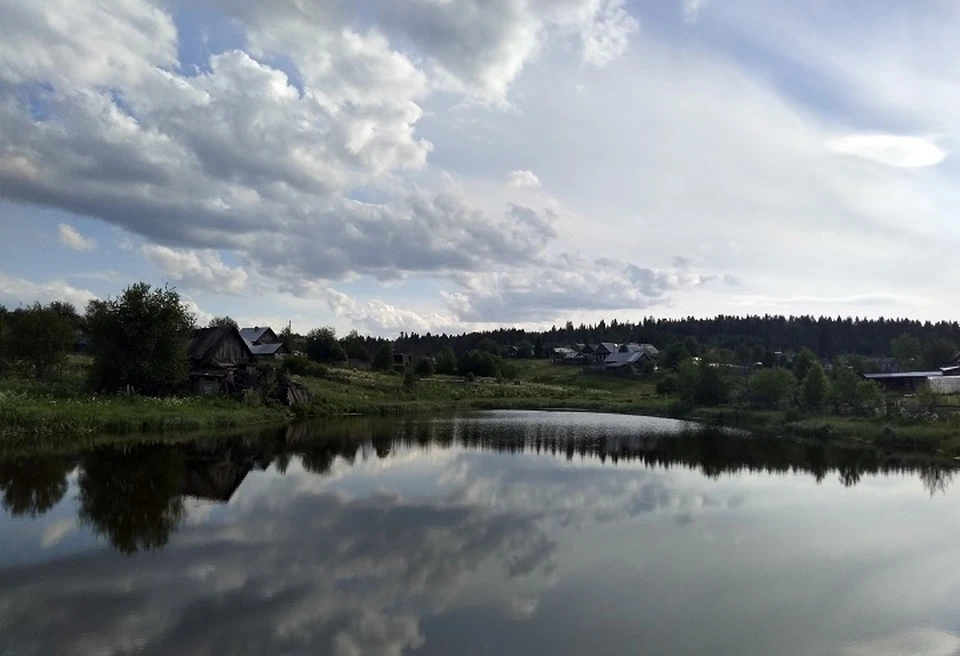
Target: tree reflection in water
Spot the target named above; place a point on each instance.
(134, 496)
(33, 485)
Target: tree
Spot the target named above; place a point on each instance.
(712, 388)
(804, 364)
(673, 355)
(772, 387)
(424, 367)
(322, 346)
(479, 363)
(538, 350)
(34, 485)
(140, 339)
(843, 392)
(225, 321)
(688, 378)
(668, 385)
(489, 346)
(354, 346)
(869, 396)
(41, 336)
(906, 350)
(446, 362)
(691, 345)
(938, 353)
(927, 397)
(814, 389)
(288, 339)
(383, 359)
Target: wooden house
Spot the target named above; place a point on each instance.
(216, 356)
(263, 342)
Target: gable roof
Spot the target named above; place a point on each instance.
(649, 349)
(621, 358)
(205, 340)
(609, 346)
(251, 335)
(268, 349)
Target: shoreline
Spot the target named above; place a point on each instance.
(37, 419)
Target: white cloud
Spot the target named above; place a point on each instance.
(523, 179)
(72, 239)
(16, 291)
(892, 150)
(202, 270)
(691, 10)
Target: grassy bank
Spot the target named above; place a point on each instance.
(63, 412)
(29, 415)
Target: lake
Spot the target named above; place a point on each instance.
(502, 533)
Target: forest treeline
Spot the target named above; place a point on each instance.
(826, 336)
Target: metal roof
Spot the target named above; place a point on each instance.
(253, 334)
(903, 374)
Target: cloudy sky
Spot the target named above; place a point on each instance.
(421, 165)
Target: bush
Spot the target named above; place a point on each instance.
(668, 385)
(424, 367)
(772, 387)
(301, 366)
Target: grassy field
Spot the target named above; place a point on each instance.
(65, 411)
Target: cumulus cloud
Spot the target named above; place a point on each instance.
(565, 284)
(16, 291)
(523, 179)
(203, 270)
(72, 239)
(374, 315)
(892, 150)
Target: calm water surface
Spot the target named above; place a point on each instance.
(501, 533)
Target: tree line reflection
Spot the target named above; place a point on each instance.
(134, 495)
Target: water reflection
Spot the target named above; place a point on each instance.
(134, 496)
(500, 534)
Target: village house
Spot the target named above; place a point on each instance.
(217, 356)
(263, 342)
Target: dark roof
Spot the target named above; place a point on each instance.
(267, 349)
(609, 346)
(205, 340)
(251, 335)
(622, 358)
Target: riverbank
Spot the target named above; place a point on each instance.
(58, 414)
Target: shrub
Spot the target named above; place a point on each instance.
(424, 367)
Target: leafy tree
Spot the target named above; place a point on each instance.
(668, 385)
(712, 387)
(41, 336)
(773, 387)
(938, 353)
(140, 339)
(744, 355)
(927, 397)
(673, 355)
(906, 350)
(288, 339)
(322, 346)
(225, 321)
(804, 364)
(769, 359)
(538, 350)
(869, 396)
(354, 346)
(487, 345)
(843, 392)
(814, 389)
(692, 346)
(479, 363)
(424, 367)
(446, 362)
(688, 379)
(383, 359)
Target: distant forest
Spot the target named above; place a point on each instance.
(825, 336)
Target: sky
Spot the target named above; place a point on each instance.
(451, 165)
